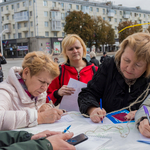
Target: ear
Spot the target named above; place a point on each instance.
(25, 73)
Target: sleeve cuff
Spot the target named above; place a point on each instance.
(56, 95)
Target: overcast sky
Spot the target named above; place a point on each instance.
(144, 4)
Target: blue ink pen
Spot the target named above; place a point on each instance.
(146, 113)
(50, 102)
(65, 130)
(101, 106)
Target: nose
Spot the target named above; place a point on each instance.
(130, 68)
(44, 87)
(74, 50)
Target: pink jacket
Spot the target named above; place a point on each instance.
(17, 110)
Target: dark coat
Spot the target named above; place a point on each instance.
(109, 85)
(103, 58)
(2, 61)
(94, 61)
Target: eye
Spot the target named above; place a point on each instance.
(77, 47)
(138, 65)
(70, 49)
(127, 60)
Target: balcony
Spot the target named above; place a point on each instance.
(126, 16)
(6, 12)
(24, 29)
(22, 9)
(6, 22)
(110, 14)
(21, 18)
(54, 9)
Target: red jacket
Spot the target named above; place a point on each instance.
(67, 72)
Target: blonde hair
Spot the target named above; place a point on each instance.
(92, 54)
(68, 41)
(38, 61)
(140, 44)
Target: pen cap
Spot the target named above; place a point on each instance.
(146, 110)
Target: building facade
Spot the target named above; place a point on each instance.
(38, 24)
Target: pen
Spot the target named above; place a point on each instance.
(146, 113)
(50, 101)
(101, 106)
(65, 130)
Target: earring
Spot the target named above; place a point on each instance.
(24, 80)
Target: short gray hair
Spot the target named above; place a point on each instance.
(92, 54)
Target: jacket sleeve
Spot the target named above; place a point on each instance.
(11, 119)
(52, 90)
(21, 141)
(3, 60)
(90, 96)
(140, 114)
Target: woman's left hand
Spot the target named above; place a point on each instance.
(130, 115)
(44, 107)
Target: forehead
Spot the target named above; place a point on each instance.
(75, 43)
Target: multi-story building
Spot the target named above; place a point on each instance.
(38, 24)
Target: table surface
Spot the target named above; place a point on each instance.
(125, 139)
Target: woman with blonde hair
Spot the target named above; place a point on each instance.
(24, 92)
(93, 58)
(120, 80)
(75, 66)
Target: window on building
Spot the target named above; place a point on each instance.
(109, 19)
(1, 8)
(120, 20)
(19, 25)
(7, 17)
(116, 28)
(62, 5)
(140, 21)
(46, 24)
(24, 4)
(53, 4)
(63, 24)
(62, 16)
(25, 24)
(139, 15)
(31, 34)
(30, 3)
(12, 6)
(115, 11)
(8, 36)
(4, 37)
(103, 11)
(47, 33)
(103, 18)
(6, 7)
(2, 18)
(45, 13)
(14, 35)
(12, 16)
(70, 6)
(77, 7)
(91, 8)
(31, 24)
(30, 13)
(26, 34)
(63, 34)
(44, 2)
(144, 15)
(13, 26)
(115, 19)
(55, 34)
(120, 12)
(97, 9)
(135, 14)
(18, 5)
(19, 35)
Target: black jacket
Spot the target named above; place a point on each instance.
(102, 58)
(2, 61)
(94, 61)
(109, 85)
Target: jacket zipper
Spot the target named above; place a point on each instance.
(35, 103)
(129, 88)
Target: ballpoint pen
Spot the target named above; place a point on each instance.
(146, 113)
(50, 102)
(101, 106)
(65, 130)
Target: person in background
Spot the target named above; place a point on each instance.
(75, 66)
(56, 60)
(141, 121)
(120, 80)
(23, 93)
(103, 57)
(93, 59)
(88, 56)
(46, 140)
(2, 61)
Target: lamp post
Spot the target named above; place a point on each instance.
(1, 34)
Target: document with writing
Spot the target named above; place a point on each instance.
(69, 102)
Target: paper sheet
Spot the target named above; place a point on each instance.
(144, 139)
(69, 102)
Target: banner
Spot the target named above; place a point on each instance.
(22, 48)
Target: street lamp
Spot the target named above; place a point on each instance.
(1, 34)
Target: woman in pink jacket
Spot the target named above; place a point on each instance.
(24, 92)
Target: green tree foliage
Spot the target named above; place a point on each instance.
(79, 23)
(125, 33)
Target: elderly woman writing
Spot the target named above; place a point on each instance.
(120, 80)
(24, 92)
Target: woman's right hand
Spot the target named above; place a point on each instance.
(49, 115)
(64, 90)
(144, 128)
(97, 114)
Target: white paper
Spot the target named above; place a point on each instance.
(69, 102)
(66, 118)
(143, 138)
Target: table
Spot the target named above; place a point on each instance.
(80, 124)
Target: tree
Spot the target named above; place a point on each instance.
(148, 28)
(125, 33)
(111, 36)
(79, 23)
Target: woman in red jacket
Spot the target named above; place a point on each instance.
(76, 67)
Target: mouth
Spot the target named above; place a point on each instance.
(128, 73)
